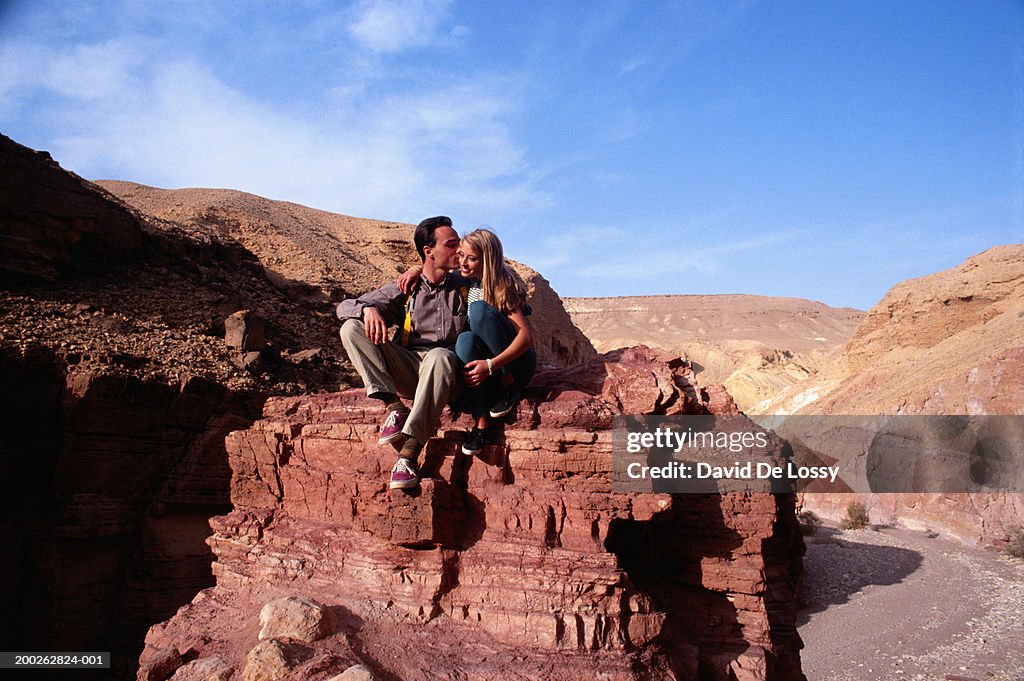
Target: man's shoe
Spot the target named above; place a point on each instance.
(477, 440)
(393, 424)
(404, 475)
(505, 405)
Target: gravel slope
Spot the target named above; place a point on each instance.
(896, 604)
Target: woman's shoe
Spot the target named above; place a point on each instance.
(505, 405)
(477, 440)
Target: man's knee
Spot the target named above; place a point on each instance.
(439, 360)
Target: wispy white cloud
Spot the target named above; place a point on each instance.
(581, 244)
(389, 26)
(654, 259)
(128, 106)
(633, 65)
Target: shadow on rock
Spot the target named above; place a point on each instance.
(350, 624)
(663, 560)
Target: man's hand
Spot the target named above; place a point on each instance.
(475, 372)
(376, 327)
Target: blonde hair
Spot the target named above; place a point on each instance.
(501, 288)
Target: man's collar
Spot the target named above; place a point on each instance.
(451, 277)
(431, 285)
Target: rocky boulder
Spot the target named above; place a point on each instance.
(245, 331)
(299, 619)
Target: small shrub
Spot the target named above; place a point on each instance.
(856, 517)
(809, 522)
(1014, 542)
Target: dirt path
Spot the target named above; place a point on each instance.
(896, 604)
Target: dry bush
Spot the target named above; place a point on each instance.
(856, 517)
(809, 522)
(1014, 542)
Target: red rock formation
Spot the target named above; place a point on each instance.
(521, 558)
(119, 388)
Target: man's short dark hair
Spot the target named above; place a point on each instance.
(425, 232)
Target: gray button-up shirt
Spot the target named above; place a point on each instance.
(438, 312)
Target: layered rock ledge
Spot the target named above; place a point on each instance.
(517, 563)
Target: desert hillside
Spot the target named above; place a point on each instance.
(755, 345)
(949, 343)
(314, 254)
(296, 244)
(946, 343)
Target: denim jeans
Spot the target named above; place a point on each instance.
(488, 334)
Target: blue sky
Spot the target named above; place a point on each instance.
(824, 150)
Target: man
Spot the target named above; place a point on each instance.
(419, 362)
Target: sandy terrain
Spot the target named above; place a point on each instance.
(669, 321)
(757, 346)
(896, 604)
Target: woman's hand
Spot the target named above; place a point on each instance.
(476, 372)
(407, 280)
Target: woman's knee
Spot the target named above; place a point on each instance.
(464, 346)
(479, 312)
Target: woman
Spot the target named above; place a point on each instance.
(496, 347)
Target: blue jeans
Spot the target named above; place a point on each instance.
(488, 334)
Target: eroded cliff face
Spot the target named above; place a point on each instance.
(947, 343)
(558, 341)
(112, 480)
(520, 562)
